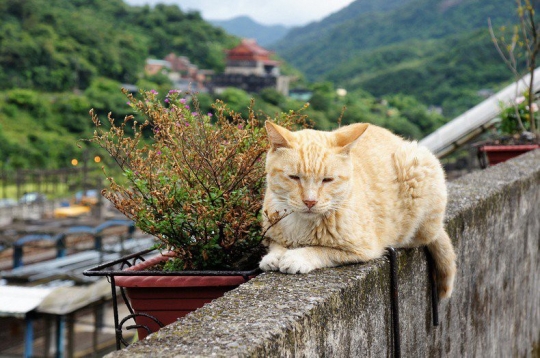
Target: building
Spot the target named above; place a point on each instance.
(154, 67)
(250, 68)
(184, 75)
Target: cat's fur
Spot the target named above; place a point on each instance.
(347, 195)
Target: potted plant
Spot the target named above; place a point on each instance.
(519, 125)
(195, 182)
(514, 136)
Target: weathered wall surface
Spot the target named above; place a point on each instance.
(494, 220)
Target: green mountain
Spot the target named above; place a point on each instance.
(300, 39)
(437, 50)
(59, 58)
(244, 26)
(57, 45)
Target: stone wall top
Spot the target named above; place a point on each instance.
(493, 217)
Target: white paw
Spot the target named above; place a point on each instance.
(298, 261)
(270, 262)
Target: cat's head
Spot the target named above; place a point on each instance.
(308, 171)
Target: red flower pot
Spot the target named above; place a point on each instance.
(167, 298)
(500, 153)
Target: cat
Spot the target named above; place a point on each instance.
(347, 195)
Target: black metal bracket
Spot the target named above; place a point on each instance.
(394, 296)
(394, 300)
(135, 326)
(433, 282)
(124, 262)
(116, 268)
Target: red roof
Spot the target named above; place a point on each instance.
(248, 50)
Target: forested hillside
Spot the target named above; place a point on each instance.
(436, 50)
(59, 58)
(447, 73)
(302, 39)
(59, 45)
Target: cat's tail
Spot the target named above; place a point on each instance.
(443, 254)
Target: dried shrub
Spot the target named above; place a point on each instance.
(197, 183)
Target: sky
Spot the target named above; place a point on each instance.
(267, 12)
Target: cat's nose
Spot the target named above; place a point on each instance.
(310, 203)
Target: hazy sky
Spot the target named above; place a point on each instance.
(268, 12)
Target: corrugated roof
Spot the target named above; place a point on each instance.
(16, 301)
(155, 62)
(64, 300)
(464, 128)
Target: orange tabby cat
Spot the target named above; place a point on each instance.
(349, 194)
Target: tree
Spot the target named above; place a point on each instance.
(520, 56)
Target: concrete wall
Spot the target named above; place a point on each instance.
(494, 220)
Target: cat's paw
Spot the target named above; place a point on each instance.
(270, 262)
(298, 261)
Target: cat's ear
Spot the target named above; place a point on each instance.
(347, 136)
(278, 136)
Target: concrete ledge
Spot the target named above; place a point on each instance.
(494, 219)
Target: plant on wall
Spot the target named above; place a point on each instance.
(196, 183)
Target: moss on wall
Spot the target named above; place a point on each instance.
(493, 218)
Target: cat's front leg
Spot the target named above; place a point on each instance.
(270, 262)
(301, 260)
(307, 259)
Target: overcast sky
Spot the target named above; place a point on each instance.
(267, 12)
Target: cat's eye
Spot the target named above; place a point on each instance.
(327, 180)
(294, 177)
